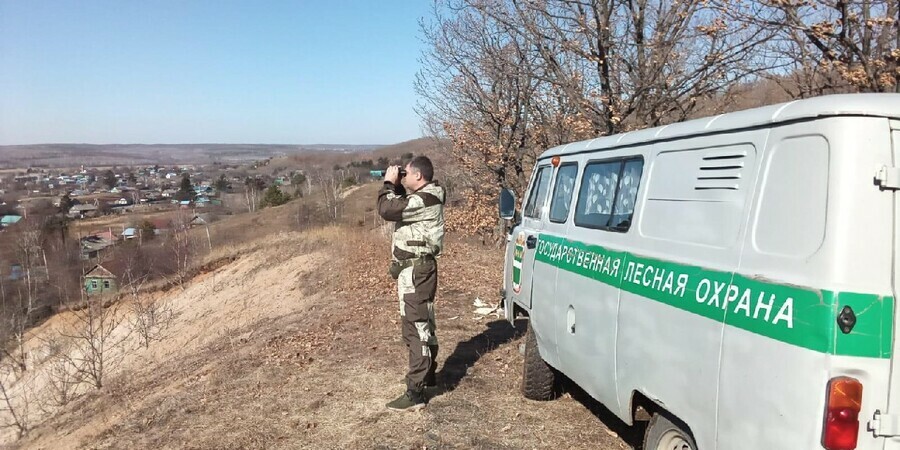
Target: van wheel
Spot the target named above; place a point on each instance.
(538, 378)
(662, 434)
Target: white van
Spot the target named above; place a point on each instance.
(734, 277)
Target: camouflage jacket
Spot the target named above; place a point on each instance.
(419, 217)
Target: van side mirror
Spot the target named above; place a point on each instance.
(507, 204)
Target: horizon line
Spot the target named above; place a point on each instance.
(207, 143)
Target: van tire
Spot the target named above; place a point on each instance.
(539, 380)
(663, 434)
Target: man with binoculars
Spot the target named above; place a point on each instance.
(416, 204)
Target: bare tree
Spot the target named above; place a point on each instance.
(14, 321)
(149, 318)
(304, 215)
(30, 251)
(505, 80)
(478, 83)
(14, 327)
(98, 338)
(15, 406)
(136, 267)
(828, 46)
(181, 248)
(62, 378)
(330, 186)
(64, 264)
(253, 188)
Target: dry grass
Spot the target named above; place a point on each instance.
(295, 344)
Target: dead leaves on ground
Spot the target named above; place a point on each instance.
(298, 349)
(362, 307)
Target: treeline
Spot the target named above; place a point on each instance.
(506, 79)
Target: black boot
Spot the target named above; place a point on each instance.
(409, 401)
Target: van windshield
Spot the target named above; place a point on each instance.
(538, 193)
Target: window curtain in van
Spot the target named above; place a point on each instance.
(631, 178)
(601, 188)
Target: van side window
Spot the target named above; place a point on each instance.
(538, 193)
(628, 188)
(607, 195)
(562, 192)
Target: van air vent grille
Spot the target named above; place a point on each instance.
(721, 171)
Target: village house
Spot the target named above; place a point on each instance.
(91, 246)
(203, 190)
(83, 211)
(99, 281)
(200, 220)
(106, 235)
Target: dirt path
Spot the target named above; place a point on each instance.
(286, 350)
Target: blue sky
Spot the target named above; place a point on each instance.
(289, 72)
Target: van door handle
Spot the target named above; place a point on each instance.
(531, 242)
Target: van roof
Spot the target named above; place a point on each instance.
(876, 105)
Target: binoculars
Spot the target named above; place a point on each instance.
(381, 172)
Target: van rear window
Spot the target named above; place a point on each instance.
(607, 195)
(538, 195)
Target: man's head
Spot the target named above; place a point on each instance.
(419, 172)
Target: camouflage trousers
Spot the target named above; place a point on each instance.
(416, 287)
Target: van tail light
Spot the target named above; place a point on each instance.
(842, 406)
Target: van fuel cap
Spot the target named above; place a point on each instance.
(846, 319)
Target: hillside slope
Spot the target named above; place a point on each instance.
(296, 344)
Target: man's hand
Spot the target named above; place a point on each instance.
(392, 174)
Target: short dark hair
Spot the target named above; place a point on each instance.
(423, 165)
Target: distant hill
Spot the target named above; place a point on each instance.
(437, 150)
(71, 155)
(415, 146)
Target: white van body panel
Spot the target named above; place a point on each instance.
(708, 237)
(787, 241)
(719, 299)
(893, 408)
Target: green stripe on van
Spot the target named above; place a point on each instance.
(794, 315)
